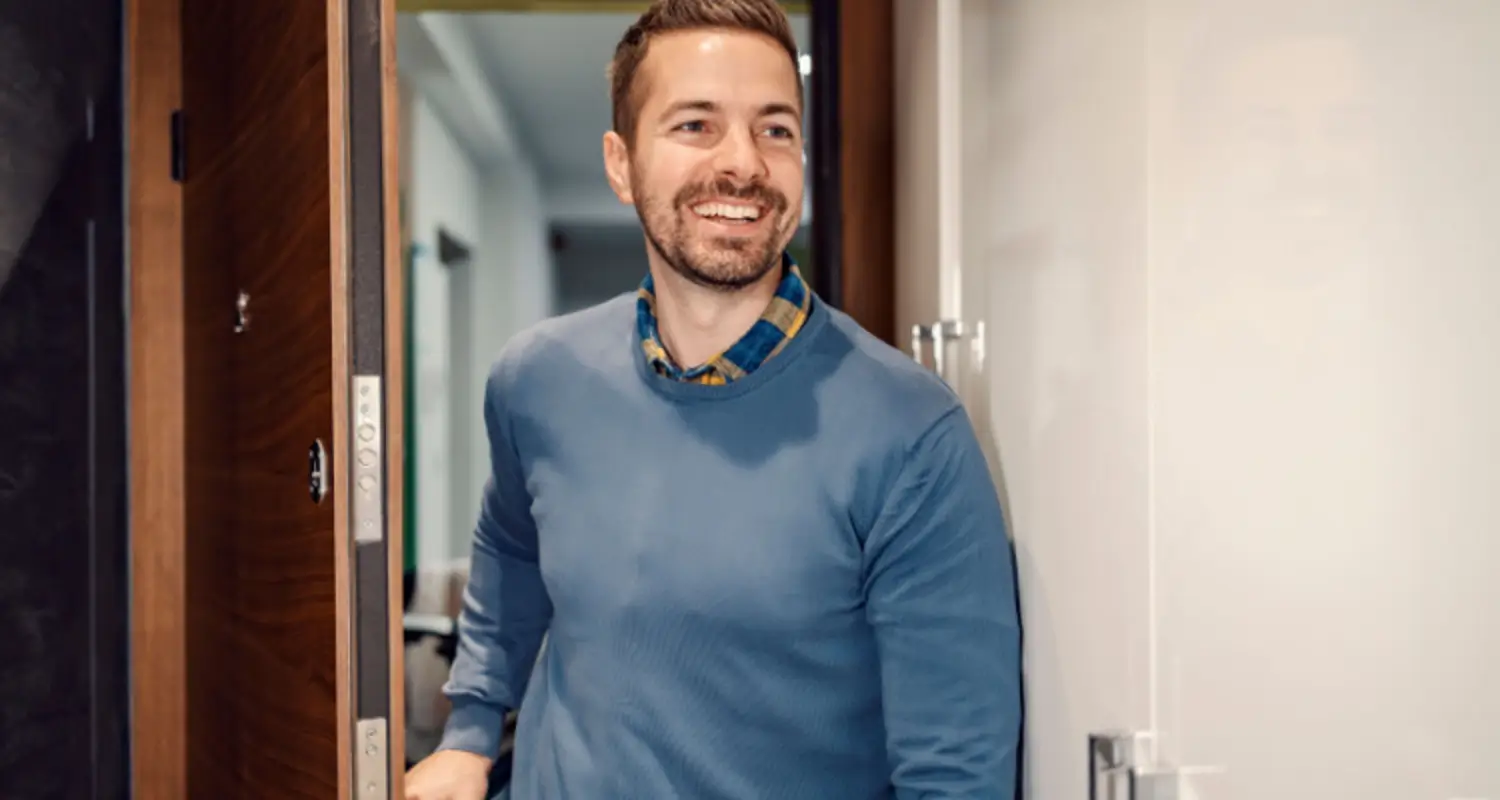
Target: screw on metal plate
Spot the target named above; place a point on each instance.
(371, 771)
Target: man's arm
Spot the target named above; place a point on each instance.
(940, 594)
(506, 609)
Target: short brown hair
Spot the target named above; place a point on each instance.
(666, 16)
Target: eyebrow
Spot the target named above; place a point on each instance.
(710, 107)
(771, 109)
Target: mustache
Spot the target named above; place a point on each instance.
(757, 193)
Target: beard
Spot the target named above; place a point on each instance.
(721, 263)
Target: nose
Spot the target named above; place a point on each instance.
(738, 157)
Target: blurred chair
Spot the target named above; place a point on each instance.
(441, 630)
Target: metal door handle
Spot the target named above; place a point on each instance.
(1114, 756)
(940, 333)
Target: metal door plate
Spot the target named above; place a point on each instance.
(367, 444)
(371, 777)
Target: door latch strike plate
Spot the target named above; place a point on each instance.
(369, 466)
(371, 767)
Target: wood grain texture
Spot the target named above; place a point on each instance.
(868, 162)
(339, 346)
(264, 682)
(158, 522)
(395, 379)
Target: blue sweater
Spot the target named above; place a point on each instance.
(796, 586)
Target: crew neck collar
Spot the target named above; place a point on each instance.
(817, 320)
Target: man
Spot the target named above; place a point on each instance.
(764, 548)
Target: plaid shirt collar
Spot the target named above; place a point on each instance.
(785, 315)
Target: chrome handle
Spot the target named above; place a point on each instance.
(1115, 757)
(942, 332)
(1112, 756)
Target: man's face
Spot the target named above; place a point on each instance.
(715, 170)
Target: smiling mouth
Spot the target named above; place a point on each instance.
(728, 213)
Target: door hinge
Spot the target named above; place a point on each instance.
(179, 156)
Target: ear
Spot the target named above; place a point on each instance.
(617, 167)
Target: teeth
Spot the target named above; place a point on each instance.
(727, 211)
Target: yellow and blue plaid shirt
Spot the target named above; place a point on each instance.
(785, 315)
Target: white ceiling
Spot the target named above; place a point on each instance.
(550, 69)
(528, 84)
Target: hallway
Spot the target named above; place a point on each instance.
(1214, 280)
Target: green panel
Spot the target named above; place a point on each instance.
(408, 404)
(805, 264)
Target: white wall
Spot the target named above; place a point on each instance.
(1237, 266)
(508, 289)
(443, 192)
(1324, 189)
(1025, 214)
(463, 315)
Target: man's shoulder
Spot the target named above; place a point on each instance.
(588, 338)
(882, 381)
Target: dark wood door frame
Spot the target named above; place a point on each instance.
(161, 322)
(855, 199)
(157, 390)
(853, 159)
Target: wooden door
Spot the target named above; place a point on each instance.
(281, 558)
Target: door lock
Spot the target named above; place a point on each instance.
(317, 471)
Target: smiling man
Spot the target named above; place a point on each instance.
(763, 547)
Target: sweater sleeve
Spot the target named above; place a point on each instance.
(506, 610)
(940, 596)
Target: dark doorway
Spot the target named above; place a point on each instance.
(64, 678)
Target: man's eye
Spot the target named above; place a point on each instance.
(695, 126)
(780, 132)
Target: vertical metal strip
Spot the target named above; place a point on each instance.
(827, 155)
(950, 157)
(108, 471)
(370, 584)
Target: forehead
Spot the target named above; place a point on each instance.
(731, 68)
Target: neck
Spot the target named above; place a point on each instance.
(697, 323)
